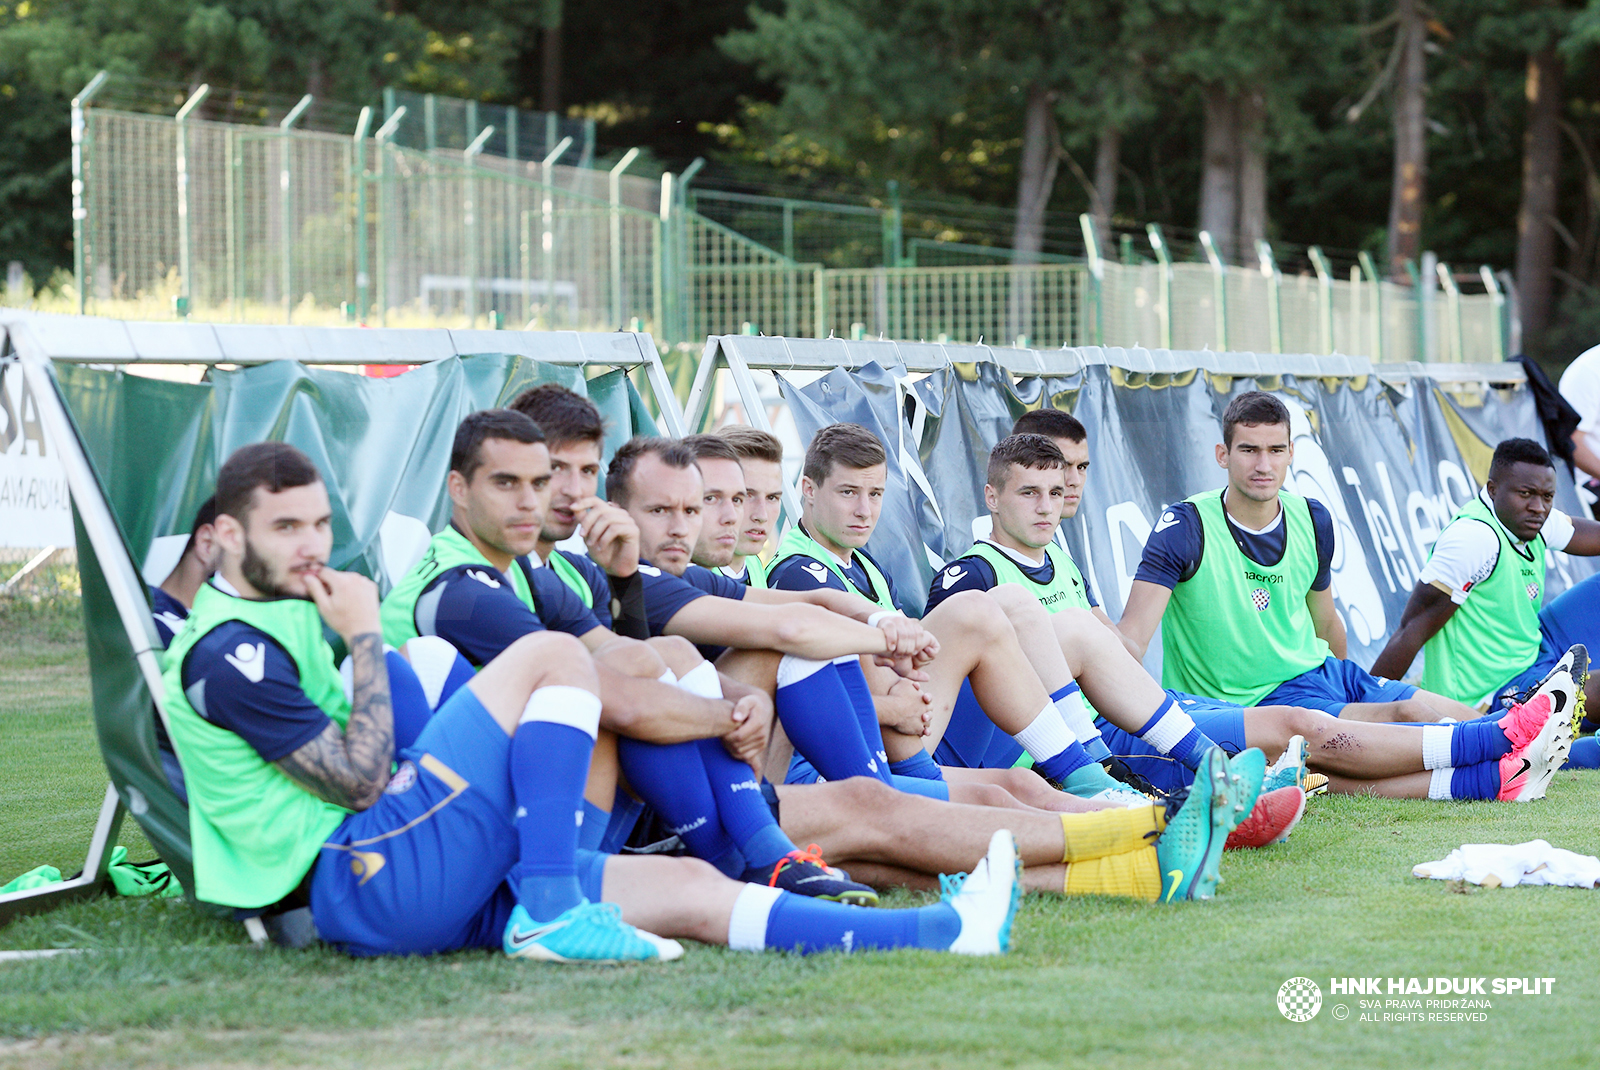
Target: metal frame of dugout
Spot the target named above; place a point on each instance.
(33, 341)
(743, 354)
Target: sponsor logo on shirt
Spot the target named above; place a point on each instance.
(251, 661)
(952, 576)
(1262, 577)
(483, 577)
(1168, 519)
(173, 622)
(650, 570)
(818, 570)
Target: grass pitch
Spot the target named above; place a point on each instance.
(1103, 983)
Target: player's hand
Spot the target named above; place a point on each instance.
(752, 716)
(348, 601)
(610, 534)
(903, 635)
(906, 709)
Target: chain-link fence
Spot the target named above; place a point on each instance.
(264, 223)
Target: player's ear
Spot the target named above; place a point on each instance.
(808, 489)
(1222, 455)
(456, 484)
(991, 497)
(229, 533)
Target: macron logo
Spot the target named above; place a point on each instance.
(818, 570)
(483, 578)
(1168, 519)
(650, 570)
(952, 576)
(173, 622)
(251, 661)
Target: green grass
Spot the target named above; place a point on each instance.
(1091, 983)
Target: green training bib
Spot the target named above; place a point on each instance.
(1066, 589)
(796, 543)
(571, 577)
(254, 831)
(1237, 629)
(446, 550)
(1494, 634)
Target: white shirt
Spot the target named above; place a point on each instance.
(1465, 554)
(1580, 385)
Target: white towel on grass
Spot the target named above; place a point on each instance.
(1496, 865)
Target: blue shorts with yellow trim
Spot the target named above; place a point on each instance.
(425, 868)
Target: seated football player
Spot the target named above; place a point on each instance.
(477, 589)
(761, 458)
(842, 488)
(1027, 492)
(296, 797)
(1476, 610)
(1239, 581)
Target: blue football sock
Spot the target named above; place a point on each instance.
(1173, 733)
(920, 765)
(819, 719)
(1585, 754)
(1096, 749)
(798, 923)
(593, 830)
(1481, 781)
(673, 780)
(744, 811)
(625, 814)
(407, 700)
(1059, 767)
(550, 753)
(855, 685)
(1477, 741)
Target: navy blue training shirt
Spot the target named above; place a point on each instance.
(1173, 551)
(976, 574)
(168, 614)
(476, 610)
(240, 679)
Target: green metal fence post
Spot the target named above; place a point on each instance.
(685, 252)
(1163, 257)
(1452, 297)
(82, 146)
(547, 237)
(1219, 277)
(1324, 297)
(185, 235)
(1370, 269)
(361, 213)
(1497, 298)
(1269, 272)
(616, 233)
(286, 202)
(1097, 276)
(788, 229)
(469, 214)
(664, 263)
(511, 132)
(893, 235)
(551, 129)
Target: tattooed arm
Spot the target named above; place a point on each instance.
(350, 768)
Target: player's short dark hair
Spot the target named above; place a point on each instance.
(466, 455)
(671, 452)
(1253, 408)
(206, 514)
(752, 443)
(1052, 423)
(712, 447)
(270, 466)
(563, 415)
(1030, 451)
(1518, 451)
(850, 445)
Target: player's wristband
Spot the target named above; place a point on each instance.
(873, 620)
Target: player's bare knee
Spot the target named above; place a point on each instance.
(981, 613)
(676, 653)
(553, 658)
(631, 657)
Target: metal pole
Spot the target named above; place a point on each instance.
(469, 213)
(1452, 296)
(80, 210)
(511, 132)
(185, 254)
(1356, 287)
(286, 206)
(1324, 298)
(1219, 274)
(1491, 286)
(682, 249)
(362, 280)
(1269, 272)
(1164, 258)
(666, 284)
(380, 143)
(1097, 275)
(547, 238)
(616, 234)
(1427, 330)
(1370, 269)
